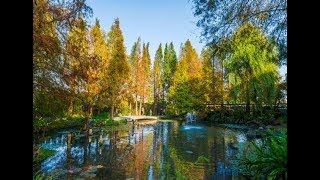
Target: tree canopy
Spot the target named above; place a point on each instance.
(220, 19)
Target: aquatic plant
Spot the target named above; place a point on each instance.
(268, 159)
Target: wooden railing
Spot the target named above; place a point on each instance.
(252, 106)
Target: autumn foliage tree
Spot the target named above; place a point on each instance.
(213, 82)
(186, 93)
(52, 21)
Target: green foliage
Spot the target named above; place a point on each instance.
(157, 81)
(202, 159)
(40, 154)
(45, 124)
(220, 19)
(268, 159)
(115, 123)
(252, 67)
(117, 74)
(186, 93)
(168, 67)
(184, 169)
(41, 176)
(213, 79)
(104, 115)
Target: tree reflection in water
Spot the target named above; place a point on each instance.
(148, 150)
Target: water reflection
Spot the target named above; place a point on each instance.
(157, 150)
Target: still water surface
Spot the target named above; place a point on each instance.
(154, 150)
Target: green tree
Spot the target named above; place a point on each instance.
(99, 55)
(186, 93)
(52, 21)
(168, 68)
(135, 61)
(84, 58)
(145, 74)
(252, 67)
(220, 19)
(213, 78)
(157, 88)
(118, 66)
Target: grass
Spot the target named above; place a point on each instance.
(40, 155)
(119, 127)
(45, 124)
(99, 120)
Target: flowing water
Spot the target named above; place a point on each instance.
(156, 150)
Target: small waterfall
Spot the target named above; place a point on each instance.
(190, 117)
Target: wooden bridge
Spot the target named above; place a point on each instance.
(135, 118)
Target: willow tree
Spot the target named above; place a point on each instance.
(186, 93)
(252, 67)
(118, 67)
(219, 19)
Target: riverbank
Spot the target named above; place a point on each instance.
(41, 125)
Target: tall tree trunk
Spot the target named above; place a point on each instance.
(222, 68)
(155, 105)
(143, 112)
(90, 111)
(70, 108)
(111, 112)
(136, 101)
(139, 113)
(130, 107)
(88, 116)
(248, 98)
(154, 96)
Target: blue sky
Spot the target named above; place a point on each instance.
(158, 21)
(155, 21)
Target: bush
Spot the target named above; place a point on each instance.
(116, 123)
(104, 116)
(268, 159)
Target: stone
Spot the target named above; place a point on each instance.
(269, 127)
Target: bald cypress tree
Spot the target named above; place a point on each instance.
(157, 88)
(118, 66)
(168, 69)
(135, 60)
(146, 74)
(186, 93)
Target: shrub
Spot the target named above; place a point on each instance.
(268, 159)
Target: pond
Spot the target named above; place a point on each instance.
(155, 150)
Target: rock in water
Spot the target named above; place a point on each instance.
(99, 166)
(269, 127)
(251, 133)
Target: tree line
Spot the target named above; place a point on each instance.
(79, 69)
